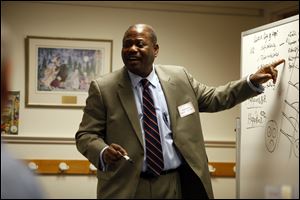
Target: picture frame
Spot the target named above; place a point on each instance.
(10, 114)
(59, 70)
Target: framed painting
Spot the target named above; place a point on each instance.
(10, 114)
(59, 70)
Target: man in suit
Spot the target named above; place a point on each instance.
(114, 123)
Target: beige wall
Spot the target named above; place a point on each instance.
(206, 43)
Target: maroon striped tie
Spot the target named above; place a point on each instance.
(154, 156)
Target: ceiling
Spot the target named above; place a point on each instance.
(229, 4)
(249, 8)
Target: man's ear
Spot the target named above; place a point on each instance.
(156, 49)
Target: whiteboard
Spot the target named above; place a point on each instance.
(268, 142)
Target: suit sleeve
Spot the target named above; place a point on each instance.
(214, 99)
(91, 133)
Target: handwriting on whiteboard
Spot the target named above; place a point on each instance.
(268, 46)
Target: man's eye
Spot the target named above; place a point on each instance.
(126, 45)
(140, 44)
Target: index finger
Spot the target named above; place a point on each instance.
(277, 63)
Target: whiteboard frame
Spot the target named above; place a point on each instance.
(238, 134)
(268, 26)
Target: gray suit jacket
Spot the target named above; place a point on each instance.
(110, 116)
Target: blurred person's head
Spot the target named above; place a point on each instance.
(4, 64)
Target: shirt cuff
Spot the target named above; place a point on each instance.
(102, 164)
(259, 89)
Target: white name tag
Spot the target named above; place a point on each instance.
(186, 109)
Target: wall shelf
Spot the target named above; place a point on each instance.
(84, 167)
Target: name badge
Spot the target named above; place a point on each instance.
(186, 109)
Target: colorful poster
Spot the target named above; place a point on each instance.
(10, 114)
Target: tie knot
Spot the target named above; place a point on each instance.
(145, 83)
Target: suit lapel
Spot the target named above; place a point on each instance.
(126, 96)
(169, 88)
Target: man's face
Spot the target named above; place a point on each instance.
(139, 52)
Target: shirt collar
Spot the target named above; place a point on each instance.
(152, 78)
